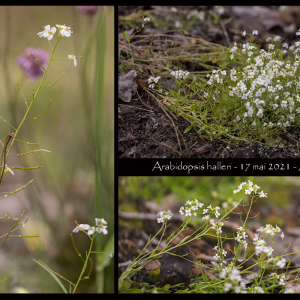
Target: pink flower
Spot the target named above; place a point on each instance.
(88, 9)
(30, 66)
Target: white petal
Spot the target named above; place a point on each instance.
(53, 30)
(75, 62)
(91, 231)
(85, 226)
(76, 229)
(47, 27)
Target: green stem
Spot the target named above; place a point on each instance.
(24, 118)
(84, 266)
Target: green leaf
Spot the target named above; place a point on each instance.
(126, 285)
(53, 275)
(126, 37)
(187, 129)
(216, 17)
(203, 117)
(105, 258)
(185, 238)
(137, 290)
(123, 276)
(227, 21)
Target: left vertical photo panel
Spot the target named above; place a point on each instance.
(56, 162)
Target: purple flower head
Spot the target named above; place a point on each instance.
(88, 9)
(29, 65)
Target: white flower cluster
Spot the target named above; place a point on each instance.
(100, 227)
(217, 256)
(256, 290)
(49, 33)
(241, 237)
(217, 227)
(180, 74)
(233, 280)
(190, 208)
(260, 244)
(267, 84)
(196, 14)
(269, 229)
(216, 76)
(163, 216)
(280, 278)
(211, 210)
(279, 262)
(250, 188)
(152, 80)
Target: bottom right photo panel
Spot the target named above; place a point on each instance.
(216, 234)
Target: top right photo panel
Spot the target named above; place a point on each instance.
(208, 82)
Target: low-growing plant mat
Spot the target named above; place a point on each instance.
(173, 119)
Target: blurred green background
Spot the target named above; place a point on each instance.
(76, 181)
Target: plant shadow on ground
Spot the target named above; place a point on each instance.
(151, 125)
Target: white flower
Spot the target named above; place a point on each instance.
(102, 221)
(281, 263)
(227, 286)
(100, 225)
(64, 30)
(7, 169)
(255, 32)
(258, 289)
(47, 33)
(73, 57)
(244, 33)
(262, 194)
(164, 215)
(91, 230)
(102, 229)
(216, 257)
(147, 19)
(81, 227)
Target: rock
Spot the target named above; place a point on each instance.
(127, 86)
(174, 268)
